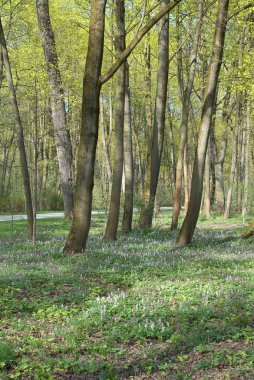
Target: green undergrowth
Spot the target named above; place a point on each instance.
(139, 308)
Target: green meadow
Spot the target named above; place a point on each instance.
(137, 308)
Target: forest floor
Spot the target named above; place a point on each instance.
(138, 308)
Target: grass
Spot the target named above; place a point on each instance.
(139, 308)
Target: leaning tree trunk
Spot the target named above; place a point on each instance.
(128, 159)
(61, 133)
(19, 131)
(184, 125)
(159, 120)
(76, 241)
(114, 207)
(190, 221)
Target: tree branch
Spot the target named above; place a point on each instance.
(167, 8)
(247, 6)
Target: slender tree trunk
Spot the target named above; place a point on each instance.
(190, 221)
(172, 152)
(104, 144)
(19, 131)
(233, 157)
(6, 154)
(246, 172)
(159, 120)
(186, 178)
(184, 126)
(61, 133)
(114, 207)
(77, 238)
(220, 157)
(207, 193)
(35, 192)
(1, 66)
(149, 126)
(128, 160)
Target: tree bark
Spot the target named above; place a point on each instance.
(149, 127)
(61, 133)
(104, 144)
(77, 238)
(128, 159)
(190, 221)
(246, 172)
(114, 207)
(184, 124)
(19, 131)
(207, 190)
(159, 120)
(233, 157)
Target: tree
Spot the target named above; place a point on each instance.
(118, 145)
(186, 97)
(77, 238)
(128, 159)
(19, 132)
(157, 139)
(190, 221)
(61, 134)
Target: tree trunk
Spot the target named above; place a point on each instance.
(128, 160)
(114, 207)
(207, 192)
(104, 144)
(159, 119)
(172, 152)
(77, 238)
(19, 131)
(184, 125)
(220, 157)
(190, 221)
(149, 126)
(61, 133)
(246, 164)
(233, 157)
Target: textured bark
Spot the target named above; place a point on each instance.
(186, 178)
(77, 238)
(1, 66)
(249, 232)
(220, 157)
(149, 126)
(207, 190)
(61, 134)
(104, 144)
(128, 160)
(233, 157)
(190, 221)
(114, 207)
(246, 172)
(172, 152)
(19, 132)
(6, 149)
(186, 97)
(159, 120)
